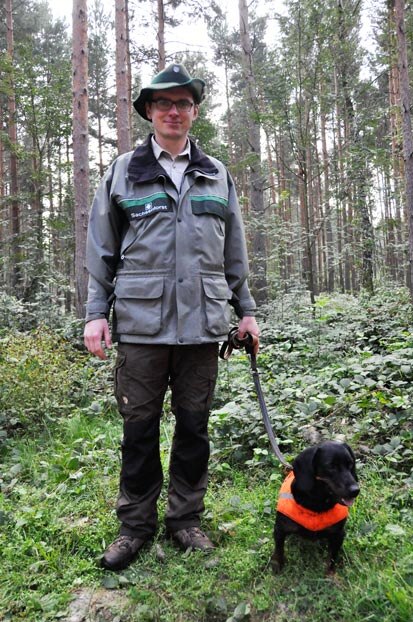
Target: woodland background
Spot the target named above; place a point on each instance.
(313, 122)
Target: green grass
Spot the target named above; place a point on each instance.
(346, 372)
(57, 514)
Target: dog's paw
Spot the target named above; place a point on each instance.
(334, 577)
(276, 564)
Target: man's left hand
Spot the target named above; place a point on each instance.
(249, 325)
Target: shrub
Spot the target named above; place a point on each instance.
(341, 370)
(43, 377)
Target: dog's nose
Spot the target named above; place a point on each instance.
(354, 490)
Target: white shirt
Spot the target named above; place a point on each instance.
(174, 166)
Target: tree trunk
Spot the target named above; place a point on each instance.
(396, 146)
(80, 148)
(407, 127)
(123, 94)
(15, 272)
(129, 71)
(327, 208)
(2, 194)
(161, 36)
(259, 254)
(3, 216)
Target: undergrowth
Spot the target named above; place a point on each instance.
(344, 372)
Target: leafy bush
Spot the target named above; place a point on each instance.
(22, 316)
(42, 378)
(343, 370)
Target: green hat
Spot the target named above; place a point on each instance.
(169, 78)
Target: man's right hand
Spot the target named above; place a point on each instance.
(95, 334)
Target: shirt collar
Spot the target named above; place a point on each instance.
(144, 167)
(158, 151)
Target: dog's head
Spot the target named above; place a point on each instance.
(333, 464)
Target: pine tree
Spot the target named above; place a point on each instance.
(80, 148)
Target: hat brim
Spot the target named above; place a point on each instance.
(196, 86)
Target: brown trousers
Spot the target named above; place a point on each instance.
(142, 376)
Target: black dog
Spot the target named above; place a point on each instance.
(315, 497)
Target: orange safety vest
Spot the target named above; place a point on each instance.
(314, 521)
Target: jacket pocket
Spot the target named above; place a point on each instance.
(213, 211)
(217, 309)
(138, 305)
(212, 205)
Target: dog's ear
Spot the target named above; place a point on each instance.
(303, 467)
(353, 468)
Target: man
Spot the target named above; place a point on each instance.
(166, 246)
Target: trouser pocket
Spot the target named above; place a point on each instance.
(141, 380)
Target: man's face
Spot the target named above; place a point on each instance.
(173, 124)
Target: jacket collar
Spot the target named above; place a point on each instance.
(144, 167)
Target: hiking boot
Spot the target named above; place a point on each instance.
(192, 538)
(121, 552)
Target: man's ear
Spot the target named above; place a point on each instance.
(148, 107)
(196, 111)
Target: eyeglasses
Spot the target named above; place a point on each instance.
(164, 105)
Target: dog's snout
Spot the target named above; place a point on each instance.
(354, 490)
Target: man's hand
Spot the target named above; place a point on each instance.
(249, 325)
(97, 332)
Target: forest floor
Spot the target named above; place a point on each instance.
(60, 458)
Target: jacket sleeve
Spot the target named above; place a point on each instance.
(103, 247)
(236, 257)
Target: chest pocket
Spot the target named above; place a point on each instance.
(209, 204)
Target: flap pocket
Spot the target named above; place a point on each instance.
(138, 305)
(139, 287)
(213, 205)
(216, 288)
(217, 308)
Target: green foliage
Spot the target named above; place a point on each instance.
(339, 370)
(44, 378)
(57, 514)
(18, 315)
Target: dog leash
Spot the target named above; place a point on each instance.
(248, 342)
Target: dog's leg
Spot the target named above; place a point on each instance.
(335, 542)
(277, 558)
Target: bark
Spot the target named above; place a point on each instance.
(327, 208)
(2, 218)
(123, 91)
(396, 143)
(129, 72)
(15, 273)
(405, 102)
(259, 253)
(80, 148)
(348, 114)
(229, 115)
(284, 249)
(161, 36)
(340, 186)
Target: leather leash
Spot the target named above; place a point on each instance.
(248, 342)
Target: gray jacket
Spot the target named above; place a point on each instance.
(170, 264)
